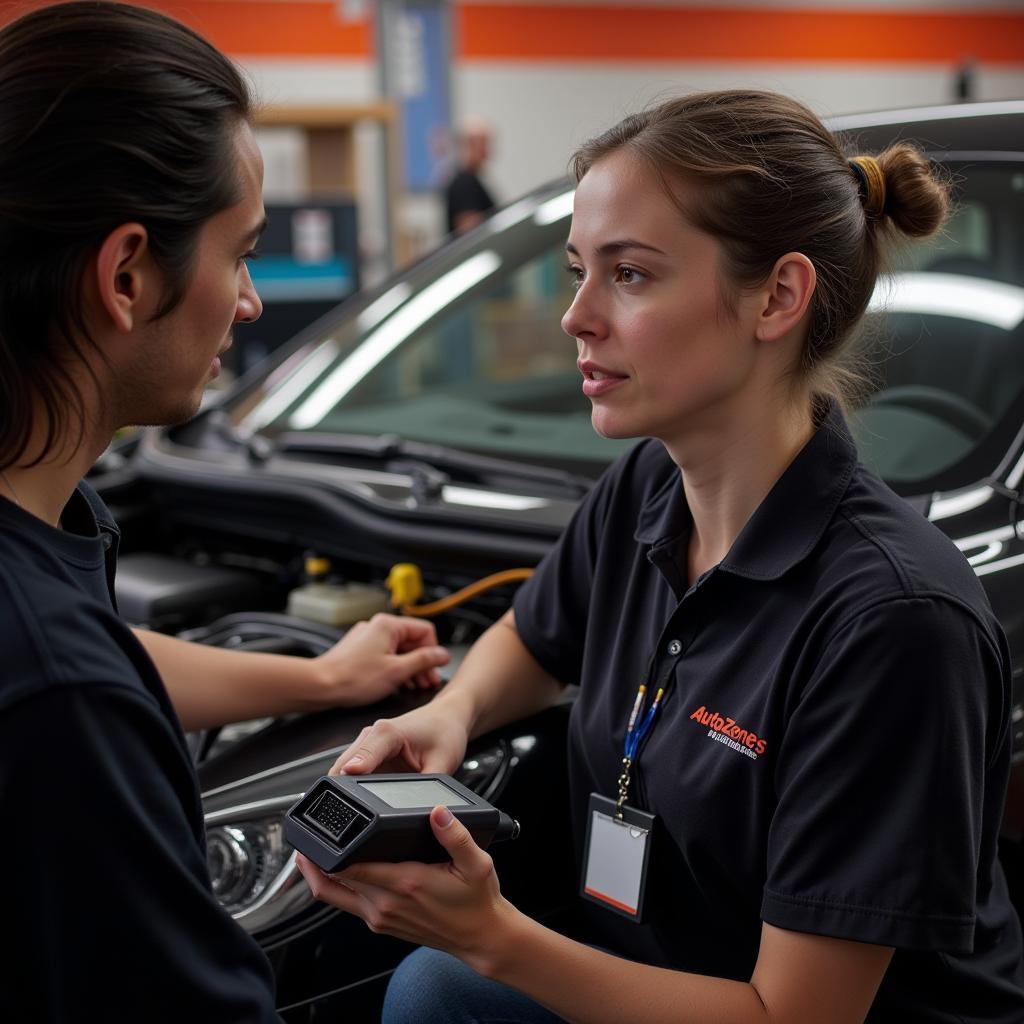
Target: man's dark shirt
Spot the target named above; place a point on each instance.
(107, 903)
(833, 748)
(466, 194)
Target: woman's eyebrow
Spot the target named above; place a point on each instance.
(254, 233)
(617, 246)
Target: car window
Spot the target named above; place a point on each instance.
(944, 343)
(495, 373)
(472, 356)
(471, 352)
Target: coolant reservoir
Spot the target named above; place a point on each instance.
(336, 604)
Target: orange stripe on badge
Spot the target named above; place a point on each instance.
(312, 28)
(608, 899)
(628, 33)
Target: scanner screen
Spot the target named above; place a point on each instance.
(415, 793)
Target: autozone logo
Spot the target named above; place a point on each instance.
(726, 730)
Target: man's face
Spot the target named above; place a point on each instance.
(477, 148)
(179, 354)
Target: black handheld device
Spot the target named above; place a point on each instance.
(345, 819)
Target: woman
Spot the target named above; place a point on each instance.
(130, 200)
(790, 747)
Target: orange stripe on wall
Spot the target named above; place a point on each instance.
(542, 32)
(309, 29)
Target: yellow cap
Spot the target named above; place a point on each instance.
(316, 566)
(405, 581)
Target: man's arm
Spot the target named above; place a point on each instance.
(212, 686)
(466, 220)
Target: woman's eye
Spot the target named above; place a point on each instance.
(575, 275)
(252, 254)
(630, 275)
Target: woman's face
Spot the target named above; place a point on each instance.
(660, 354)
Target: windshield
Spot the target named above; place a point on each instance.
(467, 351)
(471, 355)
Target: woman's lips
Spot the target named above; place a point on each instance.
(597, 382)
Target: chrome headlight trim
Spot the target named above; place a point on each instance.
(286, 893)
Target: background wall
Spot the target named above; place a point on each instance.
(550, 75)
(547, 75)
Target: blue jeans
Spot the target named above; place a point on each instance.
(435, 988)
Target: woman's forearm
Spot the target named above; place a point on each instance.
(588, 986)
(498, 682)
(799, 978)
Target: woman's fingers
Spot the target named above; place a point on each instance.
(376, 744)
(468, 859)
(327, 888)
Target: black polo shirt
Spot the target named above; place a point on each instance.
(466, 193)
(107, 901)
(833, 748)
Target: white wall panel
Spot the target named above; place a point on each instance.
(540, 112)
(312, 80)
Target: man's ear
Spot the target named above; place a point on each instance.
(126, 277)
(786, 296)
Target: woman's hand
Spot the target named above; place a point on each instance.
(432, 738)
(456, 907)
(377, 657)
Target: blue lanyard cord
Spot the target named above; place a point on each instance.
(637, 704)
(636, 734)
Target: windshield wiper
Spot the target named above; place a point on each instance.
(428, 464)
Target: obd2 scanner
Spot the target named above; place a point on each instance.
(345, 819)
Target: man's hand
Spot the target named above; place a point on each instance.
(378, 657)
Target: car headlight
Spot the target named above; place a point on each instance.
(244, 860)
(484, 770)
(252, 868)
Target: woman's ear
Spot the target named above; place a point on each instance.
(125, 277)
(787, 294)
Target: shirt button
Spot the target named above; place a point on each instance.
(674, 647)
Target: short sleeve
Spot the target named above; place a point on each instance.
(109, 895)
(551, 608)
(892, 757)
(468, 195)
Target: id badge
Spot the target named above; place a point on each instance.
(616, 856)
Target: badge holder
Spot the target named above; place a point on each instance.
(616, 857)
(618, 847)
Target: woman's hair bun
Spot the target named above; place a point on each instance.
(916, 200)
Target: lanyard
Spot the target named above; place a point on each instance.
(636, 732)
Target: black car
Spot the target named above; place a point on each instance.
(438, 420)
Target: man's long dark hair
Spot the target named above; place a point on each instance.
(109, 113)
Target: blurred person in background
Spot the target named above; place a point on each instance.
(467, 199)
(130, 201)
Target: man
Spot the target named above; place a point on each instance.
(467, 200)
(130, 198)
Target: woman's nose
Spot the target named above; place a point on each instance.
(582, 318)
(249, 306)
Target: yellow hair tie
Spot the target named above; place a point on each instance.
(872, 179)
